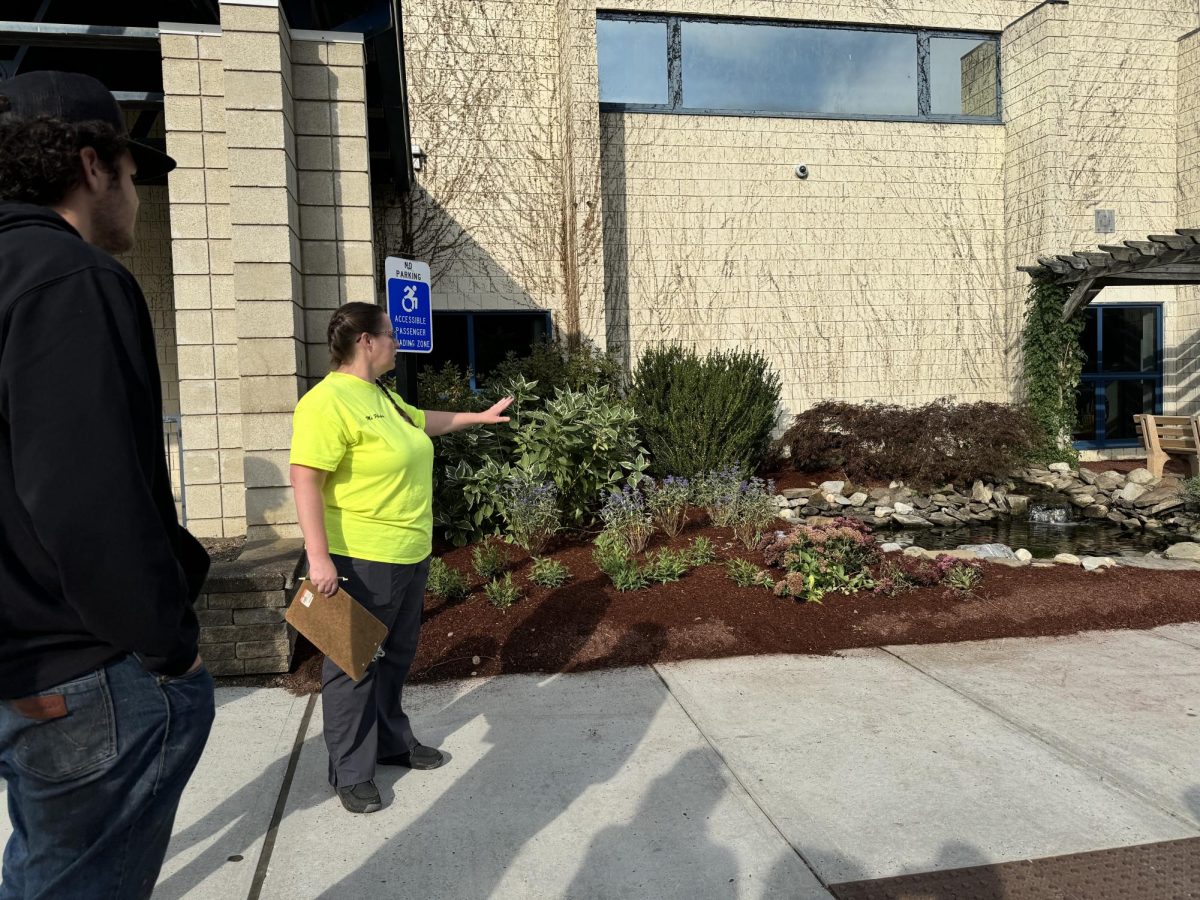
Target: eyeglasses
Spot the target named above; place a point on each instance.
(388, 333)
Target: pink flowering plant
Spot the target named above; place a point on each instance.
(819, 559)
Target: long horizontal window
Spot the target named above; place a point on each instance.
(678, 64)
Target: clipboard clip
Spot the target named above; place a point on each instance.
(379, 654)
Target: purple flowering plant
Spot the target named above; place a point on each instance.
(529, 508)
(667, 501)
(627, 516)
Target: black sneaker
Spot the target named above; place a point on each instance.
(419, 757)
(360, 798)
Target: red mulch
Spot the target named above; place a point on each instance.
(587, 624)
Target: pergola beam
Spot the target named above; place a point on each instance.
(55, 34)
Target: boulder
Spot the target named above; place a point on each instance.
(959, 554)
(1087, 476)
(890, 547)
(1081, 501)
(831, 487)
(989, 551)
(981, 493)
(1130, 493)
(858, 498)
(883, 512)
(1096, 511)
(986, 516)
(940, 518)
(1141, 476)
(1024, 555)
(1164, 506)
(918, 552)
(842, 501)
(1184, 550)
(1092, 563)
(1109, 481)
(1069, 559)
(797, 493)
(1062, 467)
(911, 521)
(921, 502)
(1018, 504)
(1160, 494)
(877, 493)
(904, 509)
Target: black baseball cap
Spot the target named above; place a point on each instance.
(74, 97)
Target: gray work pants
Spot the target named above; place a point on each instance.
(365, 720)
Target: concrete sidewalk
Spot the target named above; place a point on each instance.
(766, 777)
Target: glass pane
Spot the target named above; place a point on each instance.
(632, 58)
(1087, 341)
(774, 68)
(962, 76)
(496, 335)
(1130, 339)
(1124, 400)
(1085, 413)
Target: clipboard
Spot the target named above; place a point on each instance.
(339, 626)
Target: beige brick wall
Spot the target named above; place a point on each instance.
(150, 263)
(333, 173)
(194, 89)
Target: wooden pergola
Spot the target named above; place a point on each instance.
(1161, 259)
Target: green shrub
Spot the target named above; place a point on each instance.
(501, 592)
(549, 573)
(1191, 489)
(489, 559)
(448, 388)
(704, 412)
(446, 581)
(744, 573)
(926, 445)
(558, 366)
(584, 443)
(611, 554)
(665, 566)
(700, 552)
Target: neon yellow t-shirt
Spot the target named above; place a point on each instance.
(379, 493)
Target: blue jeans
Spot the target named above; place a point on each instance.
(95, 768)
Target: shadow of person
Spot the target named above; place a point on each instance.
(546, 741)
(665, 850)
(233, 827)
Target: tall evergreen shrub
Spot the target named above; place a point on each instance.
(697, 413)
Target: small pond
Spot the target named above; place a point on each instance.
(1052, 526)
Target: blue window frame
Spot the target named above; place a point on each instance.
(479, 341)
(697, 65)
(1122, 372)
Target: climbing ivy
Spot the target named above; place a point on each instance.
(1053, 361)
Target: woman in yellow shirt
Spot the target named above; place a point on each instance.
(362, 476)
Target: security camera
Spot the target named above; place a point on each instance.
(801, 171)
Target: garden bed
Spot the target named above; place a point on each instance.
(587, 624)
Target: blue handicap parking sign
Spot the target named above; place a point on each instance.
(409, 306)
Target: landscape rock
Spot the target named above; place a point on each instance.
(890, 547)
(1184, 550)
(941, 518)
(904, 509)
(1087, 476)
(1130, 493)
(1018, 504)
(882, 512)
(1141, 476)
(858, 498)
(1082, 501)
(1096, 511)
(1109, 481)
(1069, 559)
(917, 552)
(831, 487)
(1160, 494)
(981, 493)
(1024, 555)
(989, 551)
(1093, 563)
(911, 521)
(797, 493)
(1062, 467)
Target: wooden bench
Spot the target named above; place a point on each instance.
(1167, 436)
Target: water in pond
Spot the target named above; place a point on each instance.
(1052, 526)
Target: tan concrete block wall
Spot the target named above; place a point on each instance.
(488, 213)
(193, 77)
(333, 176)
(150, 263)
(1183, 331)
(268, 317)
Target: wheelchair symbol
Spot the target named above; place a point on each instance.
(408, 300)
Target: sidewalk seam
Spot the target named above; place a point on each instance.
(268, 847)
(737, 778)
(1106, 776)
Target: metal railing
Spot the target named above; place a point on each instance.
(173, 440)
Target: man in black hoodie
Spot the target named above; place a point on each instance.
(105, 705)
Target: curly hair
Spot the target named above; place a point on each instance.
(39, 157)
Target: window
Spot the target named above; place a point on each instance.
(676, 64)
(1122, 373)
(479, 341)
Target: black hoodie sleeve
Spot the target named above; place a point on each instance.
(82, 403)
